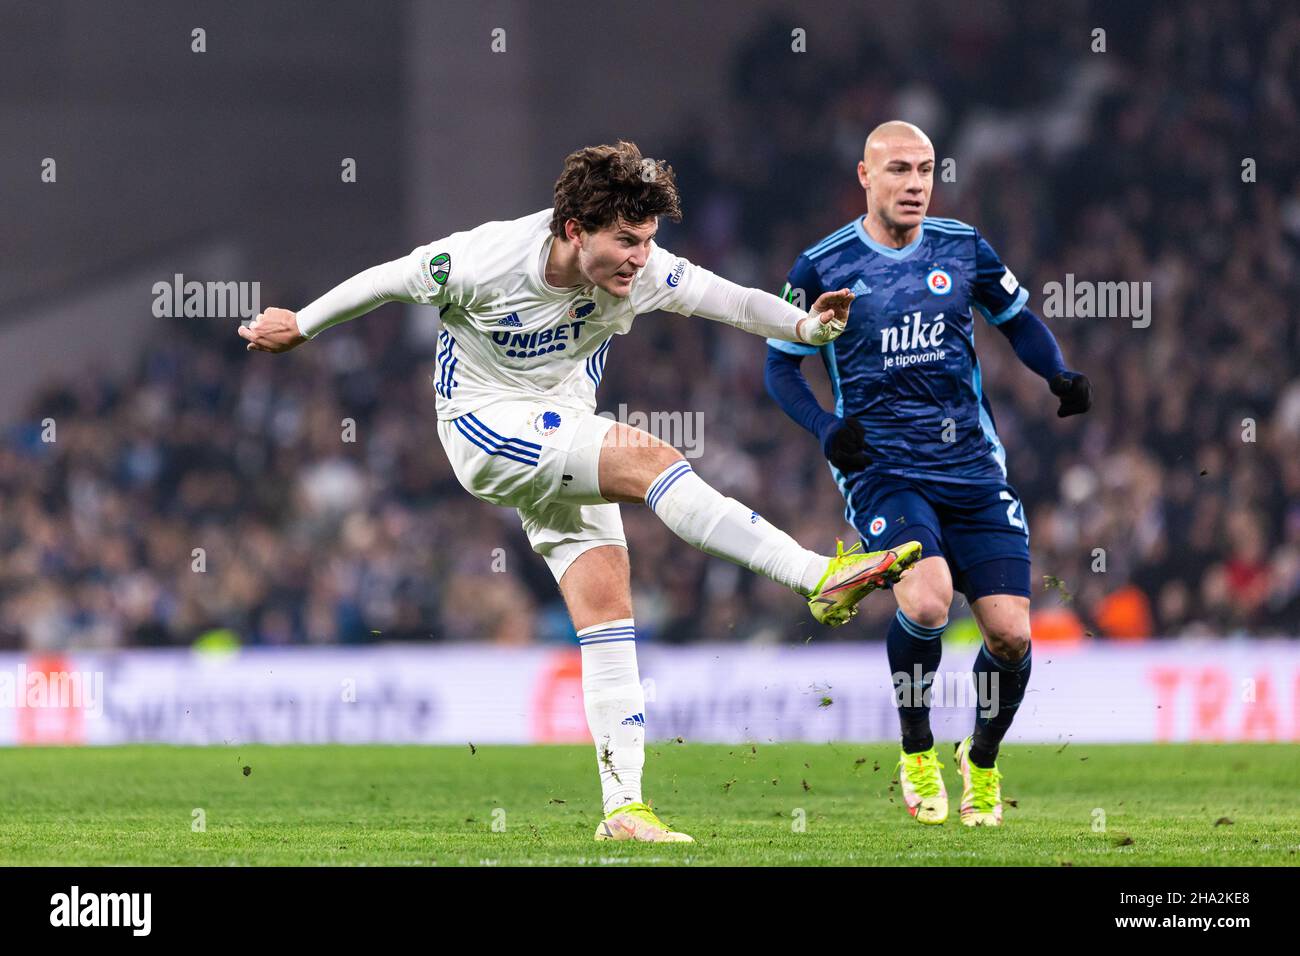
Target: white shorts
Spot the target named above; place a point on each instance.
(541, 459)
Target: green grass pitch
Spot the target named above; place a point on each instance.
(299, 805)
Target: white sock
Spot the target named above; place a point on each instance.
(615, 705)
(725, 528)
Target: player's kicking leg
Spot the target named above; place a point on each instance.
(562, 479)
(1001, 675)
(914, 647)
(636, 467)
(597, 590)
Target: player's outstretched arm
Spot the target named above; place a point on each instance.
(843, 440)
(279, 330)
(783, 377)
(761, 313)
(1035, 345)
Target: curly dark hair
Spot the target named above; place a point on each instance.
(605, 185)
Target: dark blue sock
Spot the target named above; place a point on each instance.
(914, 653)
(1004, 682)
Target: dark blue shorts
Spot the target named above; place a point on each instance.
(980, 529)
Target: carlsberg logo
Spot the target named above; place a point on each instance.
(912, 335)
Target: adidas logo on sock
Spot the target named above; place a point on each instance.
(636, 720)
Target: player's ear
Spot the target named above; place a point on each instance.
(573, 231)
(863, 178)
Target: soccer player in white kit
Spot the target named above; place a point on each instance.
(529, 308)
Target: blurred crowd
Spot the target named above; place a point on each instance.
(306, 498)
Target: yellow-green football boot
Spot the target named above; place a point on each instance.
(924, 794)
(981, 791)
(636, 821)
(853, 574)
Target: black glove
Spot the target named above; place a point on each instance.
(1075, 392)
(844, 445)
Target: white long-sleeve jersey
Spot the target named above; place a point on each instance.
(508, 334)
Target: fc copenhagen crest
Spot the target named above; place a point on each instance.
(547, 423)
(581, 309)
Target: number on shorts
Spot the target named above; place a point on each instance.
(1015, 517)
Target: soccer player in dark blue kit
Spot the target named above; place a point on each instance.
(914, 450)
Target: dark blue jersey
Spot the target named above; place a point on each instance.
(905, 366)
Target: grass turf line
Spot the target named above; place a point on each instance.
(374, 805)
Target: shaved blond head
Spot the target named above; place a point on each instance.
(894, 132)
